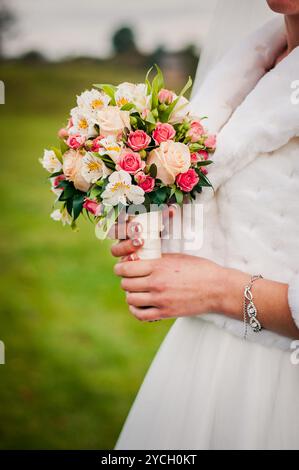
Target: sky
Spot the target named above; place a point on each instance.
(61, 28)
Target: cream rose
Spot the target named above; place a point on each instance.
(112, 121)
(72, 168)
(171, 158)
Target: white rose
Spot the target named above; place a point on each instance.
(171, 158)
(72, 168)
(112, 121)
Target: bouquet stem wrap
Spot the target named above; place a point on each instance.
(152, 226)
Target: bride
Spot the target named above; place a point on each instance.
(208, 387)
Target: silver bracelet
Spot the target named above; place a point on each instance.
(249, 308)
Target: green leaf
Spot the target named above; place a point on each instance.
(204, 180)
(150, 118)
(160, 195)
(108, 89)
(148, 83)
(157, 84)
(195, 147)
(205, 162)
(78, 201)
(68, 190)
(57, 173)
(69, 206)
(95, 191)
(173, 190)
(153, 170)
(186, 87)
(63, 146)
(127, 107)
(179, 196)
(57, 153)
(108, 161)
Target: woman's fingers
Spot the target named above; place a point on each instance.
(135, 284)
(126, 247)
(145, 314)
(140, 299)
(136, 269)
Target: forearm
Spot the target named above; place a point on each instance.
(270, 298)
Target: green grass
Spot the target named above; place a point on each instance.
(75, 357)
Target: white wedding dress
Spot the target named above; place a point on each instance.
(208, 388)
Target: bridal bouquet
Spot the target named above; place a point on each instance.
(131, 147)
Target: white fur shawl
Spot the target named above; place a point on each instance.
(249, 222)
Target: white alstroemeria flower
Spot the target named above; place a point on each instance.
(180, 111)
(135, 94)
(61, 216)
(93, 168)
(124, 94)
(141, 99)
(110, 147)
(120, 190)
(83, 123)
(50, 162)
(54, 188)
(92, 100)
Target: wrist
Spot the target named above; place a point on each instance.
(231, 291)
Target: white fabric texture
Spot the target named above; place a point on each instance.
(293, 299)
(207, 388)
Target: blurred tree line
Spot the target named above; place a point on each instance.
(124, 46)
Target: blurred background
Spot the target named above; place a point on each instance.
(75, 357)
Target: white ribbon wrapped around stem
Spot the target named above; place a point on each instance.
(151, 223)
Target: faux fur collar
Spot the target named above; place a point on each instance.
(248, 106)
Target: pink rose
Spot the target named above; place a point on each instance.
(203, 154)
(163, 132)
(138, 140)
(63, 133)
(145, 112)
(147, 184)
(57, 180)
(199, 156)
(75, 141)
(196, 131)
(140, 177)
(96, 144)
(92, 206)
(165, 96)
(130, 161)
(194, 157)
(204, 170)
(187, 181)
(210, 141)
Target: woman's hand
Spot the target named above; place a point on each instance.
(130, 235)
(172, 286)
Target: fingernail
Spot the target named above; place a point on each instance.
(136, 227)
(137, 242)
(132, 257)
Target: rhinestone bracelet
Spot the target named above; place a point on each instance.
(249, 308)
